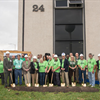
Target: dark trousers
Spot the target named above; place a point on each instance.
(18, 72)
(13, 75)
(49, 76)
(56, 78)
(70, 75)
(42, 78)
(80, 75)
(7, 74)
(2, 78)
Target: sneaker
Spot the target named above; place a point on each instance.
(89, 85)
(92, 86)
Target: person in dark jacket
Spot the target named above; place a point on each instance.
(34, 70)
(64, 69)
(98, 67)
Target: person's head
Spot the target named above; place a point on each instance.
(29, 57)
(76, 54)
(47, 57)
(99, 56)
(13, 57)
(72, 58)
(41, 60)
(22, 55)
(7, 54)
(71, 54)
(55, 57)
(18, 57)
(38, 56)
(81, 56)
(26, 57)
(63, 55)
(50, 58)
(34, 59)
(90, 55)
(67, 56)
(44, 58)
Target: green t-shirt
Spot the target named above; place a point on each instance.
(91, 63)
(62, 63)
(8, 59)
(82, 63)
(50, 63)
(72, 63)
(56, 64)
(42, 67)
(35, 65)
(1, 67)
(22, 59)
(13, 64)
(77, 60)
(27, 63)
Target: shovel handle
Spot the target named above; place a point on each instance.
(73, 76)
(45, 78)
(51, 78)
(36, 77)
(11, 77)
(27, 76)
(83, 77)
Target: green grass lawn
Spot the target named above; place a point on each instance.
(18, 95)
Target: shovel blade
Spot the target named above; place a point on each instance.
(36, 85)
(62, 84)
(44, 85)
(84, 85)
(28, 85)
(50, 85)
(73, 84)
(13, 85)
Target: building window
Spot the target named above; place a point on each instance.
(61, 3)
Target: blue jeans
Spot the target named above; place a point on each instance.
(80, 75)
(91, 77)
(18, 72)
(42, 78)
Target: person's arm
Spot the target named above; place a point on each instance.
(56, 68)
(4, 64)
(79, 66)
(23, 66)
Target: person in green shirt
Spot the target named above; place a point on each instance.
(82, 64)
(13, 70)
(56, 71)
(91, 70)
(42, 70)
(22, 57)
(1, 71)
(72, 68)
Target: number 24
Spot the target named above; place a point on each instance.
(36, 8)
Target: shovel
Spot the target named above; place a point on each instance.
(45, 81)
(63, 84)
(36, 85)
(28, 84)
(83, 84)
(50, 84)
(73, 83)
(13, 84)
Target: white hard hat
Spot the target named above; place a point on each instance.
(98, 54)
(63, 54)
(26, 56)
(81, 55)
(55, 56)
(34, 57)
(7, 52)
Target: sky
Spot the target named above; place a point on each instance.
(8, 24)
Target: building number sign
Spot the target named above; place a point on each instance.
(36, 8)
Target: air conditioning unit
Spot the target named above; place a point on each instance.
(75, 3)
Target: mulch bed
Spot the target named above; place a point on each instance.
(55, 89)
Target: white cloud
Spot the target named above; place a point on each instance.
(8, 24)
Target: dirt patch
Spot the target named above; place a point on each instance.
(55, 89)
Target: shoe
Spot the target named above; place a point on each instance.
(92, 86)
(89, 85)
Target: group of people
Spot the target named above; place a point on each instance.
(33, 69)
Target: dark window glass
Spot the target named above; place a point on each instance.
(63, 33)
(68, 16)
(61, 3)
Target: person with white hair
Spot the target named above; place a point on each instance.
(34, 70)
(82, 64)
(98, 67)
(26, 70)
(64, 68)
(8, 66)
(56, 71)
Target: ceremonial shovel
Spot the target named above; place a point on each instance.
(28, 84)
(36, 85)
(13, 84)
(50, 84)
(45, 81)
(73, 83)
(62, 84)
(83, 84)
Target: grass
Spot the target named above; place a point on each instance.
(18, 95)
